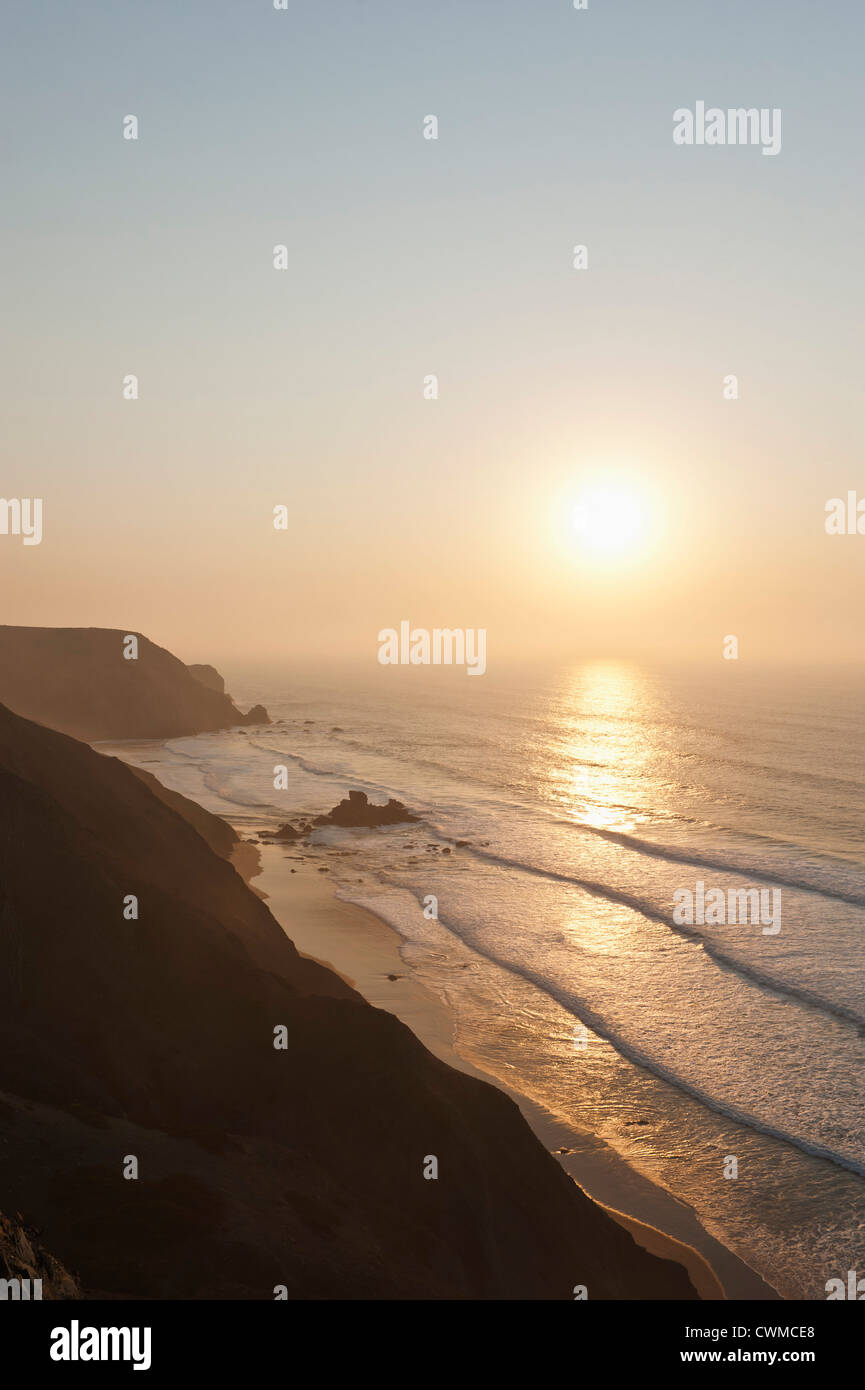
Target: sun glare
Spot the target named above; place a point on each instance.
(608, 520)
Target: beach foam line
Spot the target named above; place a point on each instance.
(638, 845)
(585, 1014)
(762, 978)
(706, 861)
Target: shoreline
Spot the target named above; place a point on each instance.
(364, 950)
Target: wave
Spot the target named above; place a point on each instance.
(763, 978)
(214, 779)
(701, 860)
(580, 1009)
(653, 849)
(326, 774)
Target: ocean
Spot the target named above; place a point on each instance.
(561, 813)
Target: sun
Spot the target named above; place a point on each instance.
(609, 520)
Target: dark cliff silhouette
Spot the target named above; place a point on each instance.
(78, 680)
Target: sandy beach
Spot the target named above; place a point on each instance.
(365, 951)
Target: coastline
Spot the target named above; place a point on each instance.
(365, 951)
(280, 1128)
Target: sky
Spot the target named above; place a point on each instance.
(408, 257)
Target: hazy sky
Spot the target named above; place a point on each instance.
(454, 257)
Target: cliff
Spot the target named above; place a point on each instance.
(209, 676)
(78, 680)
(151, 1037)
(217, 833)
(23, 1261)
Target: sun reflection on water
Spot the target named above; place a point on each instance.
(606, 711)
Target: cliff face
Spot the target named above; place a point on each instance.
(23, 1262)
(78, 680)
(209, 676)
(216, 832)
(152, 1037)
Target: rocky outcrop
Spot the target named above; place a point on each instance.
(27, 1271)
(84, 682)
(287, 833)
(282, 1126)
(357, 810)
